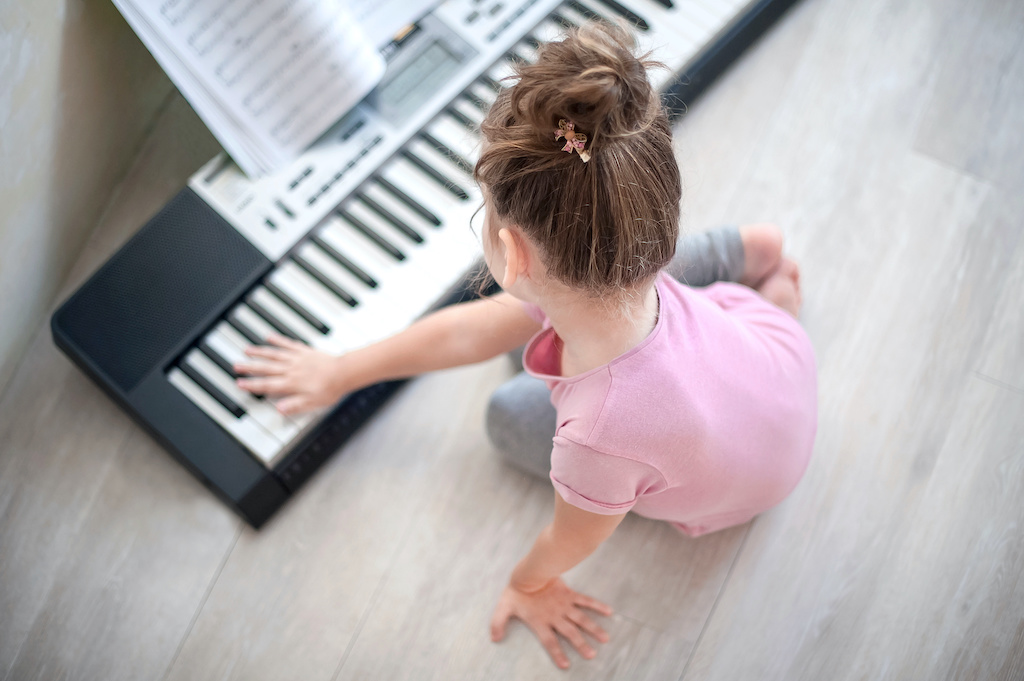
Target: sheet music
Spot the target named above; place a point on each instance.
(382, 19)
(267, 76)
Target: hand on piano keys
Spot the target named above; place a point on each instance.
(303, 378)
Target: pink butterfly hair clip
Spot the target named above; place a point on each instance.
(573, 140)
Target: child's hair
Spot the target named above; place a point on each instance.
(606, 225)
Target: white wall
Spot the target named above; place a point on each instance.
(78, 92)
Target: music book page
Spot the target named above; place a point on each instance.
(267, 76)
(382, 19)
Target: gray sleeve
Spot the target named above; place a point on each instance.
(703, 258)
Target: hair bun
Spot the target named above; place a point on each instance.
(593, 79)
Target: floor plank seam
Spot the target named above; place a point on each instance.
(81, 521)
(714, 606)
(373, 599)
(202, 602)
(998, 383)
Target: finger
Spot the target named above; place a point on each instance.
(259, 368)
(588, 625)
(502, 614)
(591, 603)
(550, 642)
(285, 342)
(571, 633)
(267, 352)
(263, 386)
(293, 405)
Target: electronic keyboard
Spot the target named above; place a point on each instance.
(364, 233)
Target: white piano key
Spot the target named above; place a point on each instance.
(379, 313)
(359, 248)
(253, 321)
(416, 239)
(469, 110)
(722, 11)
(345, 333)
(262, 411)
(327, 266)
(419, 272)
(443, 164)
(503, 73)
(245, 429)
(400, 210)
(417, 281)
(454, 136)
(709, 18)
(483, 92)
(526, 51)
(232, 345)
(293, 322)
(421, 188)
(452, 183)
(549, 32)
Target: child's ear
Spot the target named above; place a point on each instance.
(516, 257)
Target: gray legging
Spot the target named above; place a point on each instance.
(520, 416)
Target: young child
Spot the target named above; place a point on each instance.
(697, 407)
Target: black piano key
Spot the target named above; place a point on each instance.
(357, 271)
(331, 285)
(624, 12)
(477, 101)
(218, 359)
(392, 219)
(413, 205)
(435, 175)
(516, 59)
(490, 82)
(375, 236)
(667, 4)
(269, 318)
(297, 307)
(250, 334)
(212, 390)
(447, 151)
(567, 23)
(463, 119)
(221, 361)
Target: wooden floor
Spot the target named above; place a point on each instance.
(887, 137)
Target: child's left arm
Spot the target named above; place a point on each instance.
(536, 593)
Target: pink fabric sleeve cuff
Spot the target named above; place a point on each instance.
(573, 497)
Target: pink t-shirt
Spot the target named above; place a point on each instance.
(706, 423)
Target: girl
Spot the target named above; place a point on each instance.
(697, 407)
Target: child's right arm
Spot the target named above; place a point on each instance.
(453, 336)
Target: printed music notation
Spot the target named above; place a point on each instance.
(267, 76)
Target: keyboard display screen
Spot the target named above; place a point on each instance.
(411, 88)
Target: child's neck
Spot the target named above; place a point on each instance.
(593, 332)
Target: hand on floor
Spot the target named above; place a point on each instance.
(556, 610)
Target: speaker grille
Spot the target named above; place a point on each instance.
(183, 266)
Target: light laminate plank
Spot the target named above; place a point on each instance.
(134, 574)
(435, 603)
(293, 596)
(974, 113)
(1002, 354)
(63, 444)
